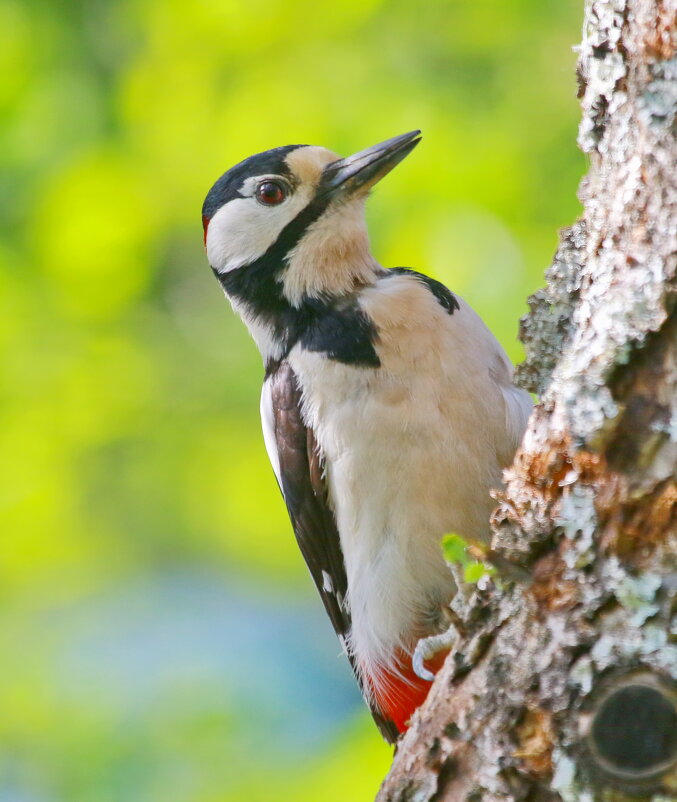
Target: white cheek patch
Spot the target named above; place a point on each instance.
(242, 230)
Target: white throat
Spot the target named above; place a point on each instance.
(333, 256)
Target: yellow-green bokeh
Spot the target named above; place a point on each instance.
(129, 447)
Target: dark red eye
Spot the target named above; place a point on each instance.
(270, 193)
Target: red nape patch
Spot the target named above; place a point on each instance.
(205, 226)
(401, 691)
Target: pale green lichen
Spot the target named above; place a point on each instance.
(666, 427)
(565, 780)
(603, 67)
(582, 674)
(603, 652)
(546, 330)
(637, 595)
(658, 104)
(578, 521)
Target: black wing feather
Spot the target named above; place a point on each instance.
(305, 495)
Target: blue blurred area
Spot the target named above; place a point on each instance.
(226, 647)
(256, 660)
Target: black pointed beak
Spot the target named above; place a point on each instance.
(356, 174)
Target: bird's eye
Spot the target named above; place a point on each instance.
(270, 193)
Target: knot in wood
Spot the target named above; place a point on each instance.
(632, 734)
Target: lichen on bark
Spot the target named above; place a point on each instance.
(521, 709)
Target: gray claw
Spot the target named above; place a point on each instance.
(427, 648)
(418, 659)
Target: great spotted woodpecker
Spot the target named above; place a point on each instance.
(388, 407)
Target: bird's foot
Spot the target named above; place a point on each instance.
(427, 649)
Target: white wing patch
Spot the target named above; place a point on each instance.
(327, 582)
(268, 426)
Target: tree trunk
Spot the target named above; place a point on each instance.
(563, 683)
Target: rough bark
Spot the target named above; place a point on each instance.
(563, 684)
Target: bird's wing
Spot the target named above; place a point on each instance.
(518, 406)
(297, 463)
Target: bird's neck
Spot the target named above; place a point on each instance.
(332, 259)
(279, 296)
(330, 323)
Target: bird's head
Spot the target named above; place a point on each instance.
(295, 215)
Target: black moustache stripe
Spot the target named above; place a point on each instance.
(345, 334)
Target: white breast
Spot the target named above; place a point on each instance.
(412, 449)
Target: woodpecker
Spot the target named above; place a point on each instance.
(388, 407)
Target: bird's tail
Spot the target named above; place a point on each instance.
(398, 691)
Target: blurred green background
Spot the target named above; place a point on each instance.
(159, 636)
